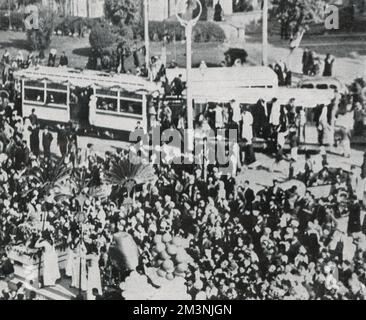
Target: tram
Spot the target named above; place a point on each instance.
(64, 95)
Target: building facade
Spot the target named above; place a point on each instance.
(76, 8)
(163, 9)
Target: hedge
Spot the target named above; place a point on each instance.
(17, 20)
(204, 31)
(75, 25)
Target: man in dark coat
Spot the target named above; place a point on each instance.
(363, 167)
(249, 196)
(218, 12)
(354, 219)
(305, 61)
(62, 141)
(64, 61)
(33, 118)
(47, 139)
(260, 118)
(328, 66)
(34, 140)
(21, 155)
(177, 86)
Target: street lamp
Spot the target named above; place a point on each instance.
(265, 32)
(9, 4)
(184, 13)
(146, 33)
(81, 218)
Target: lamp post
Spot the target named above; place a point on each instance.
(265, 33)
(146, 33)
(185, 8)
(81, 218)
(9, 7)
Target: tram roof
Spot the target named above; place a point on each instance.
(87, 78)
(226, 77)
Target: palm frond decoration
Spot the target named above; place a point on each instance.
(126, 174)
(81, 187)
(47, 178)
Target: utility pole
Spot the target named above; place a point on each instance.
(189, 28)
(265, 33)
(188, 25)
(9, 4)
(146, 33)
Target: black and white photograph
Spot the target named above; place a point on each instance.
(204, 151)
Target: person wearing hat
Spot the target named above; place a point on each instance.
(33, 118)
(64, 61)
(354, 218)
(260, 118)
(62, 140)
(47, 139)
(34, 140)
(177, 86)
(29, 62)
(20, 59)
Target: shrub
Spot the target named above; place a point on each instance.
(203, 32)
(233, 54)
(208, 32)
(101, 36)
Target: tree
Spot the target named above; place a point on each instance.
(125, 12)
(298, 14)
(40, 38)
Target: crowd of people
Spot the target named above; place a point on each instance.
(274, 244)
(277, 243)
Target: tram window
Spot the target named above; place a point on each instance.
(104, 92)
(130, 95)
(322, 86)
(107, 104)
(56, 97)
(307, 86)
(34, 95)
(131, 107)
(56, 86)
(36, 84)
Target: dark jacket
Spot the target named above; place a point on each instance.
(64, 61)
(47, 139)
